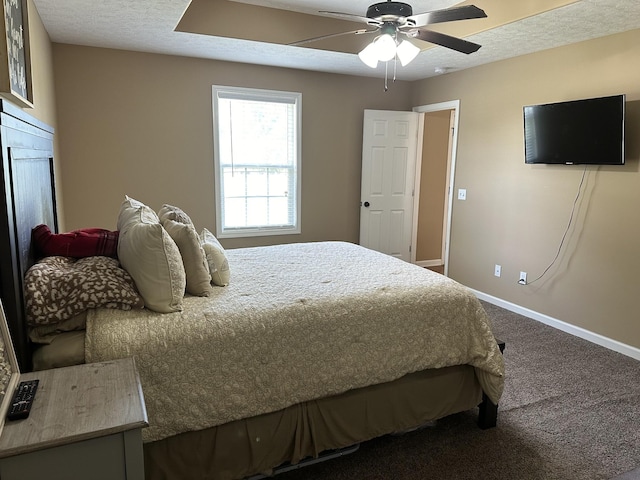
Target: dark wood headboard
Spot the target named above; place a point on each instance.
(28, 188)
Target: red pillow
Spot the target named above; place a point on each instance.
(86, 242)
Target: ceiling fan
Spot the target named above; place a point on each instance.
(397, 25)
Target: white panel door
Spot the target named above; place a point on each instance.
(389, 149)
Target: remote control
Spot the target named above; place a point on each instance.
(22, 400)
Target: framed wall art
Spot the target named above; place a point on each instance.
(15, 59)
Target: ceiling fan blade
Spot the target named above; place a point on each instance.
(353, 18)
(324, 37)
(465, 12)
(448, 41)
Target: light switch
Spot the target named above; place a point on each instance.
(462, 194)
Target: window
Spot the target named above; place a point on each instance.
(257, 161)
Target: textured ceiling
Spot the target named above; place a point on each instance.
(150, 26)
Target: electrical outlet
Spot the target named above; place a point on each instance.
(462, 194)
(498, 271)
(523, 278)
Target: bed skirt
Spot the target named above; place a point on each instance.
(246, 447)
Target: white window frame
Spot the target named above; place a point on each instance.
(294, 98)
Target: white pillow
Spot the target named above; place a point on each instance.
(193, 257)
(151, 257)
(217, 259)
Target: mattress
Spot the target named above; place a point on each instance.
(297, 322)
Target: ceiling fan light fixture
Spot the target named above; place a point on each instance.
(369, 56)
(385, 46)
(406, 52)
(397, 27)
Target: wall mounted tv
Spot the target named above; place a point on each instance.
(579, 132)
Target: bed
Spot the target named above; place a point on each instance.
(276, 368)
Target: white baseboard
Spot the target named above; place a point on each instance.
(596, 338)
(430, 263)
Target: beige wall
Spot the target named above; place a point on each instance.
(141, 124)
(515, 214)
(44, 107)
(43, 87)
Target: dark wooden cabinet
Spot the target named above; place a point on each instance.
(26, 150)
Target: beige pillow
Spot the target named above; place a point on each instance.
(193, 257)
(130, 212)
(46, 333)
(169, 212)
(216, 257)
(151, 257)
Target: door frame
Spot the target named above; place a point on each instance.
(453, 105)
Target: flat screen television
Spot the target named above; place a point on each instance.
(579, 132)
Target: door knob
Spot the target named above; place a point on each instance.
(366, 204)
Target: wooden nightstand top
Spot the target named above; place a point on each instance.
(78, 403)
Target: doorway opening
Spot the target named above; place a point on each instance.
(433, 199)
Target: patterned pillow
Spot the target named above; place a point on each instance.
(216, 257)
(58, 288)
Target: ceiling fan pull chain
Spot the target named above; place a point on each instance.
(386, 76)
(395, 57)
(395, 67)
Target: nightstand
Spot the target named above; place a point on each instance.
(86, 422)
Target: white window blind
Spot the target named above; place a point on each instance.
(257, 159)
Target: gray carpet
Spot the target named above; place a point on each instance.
(571, 410)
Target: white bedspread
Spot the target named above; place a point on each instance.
(297, 322)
